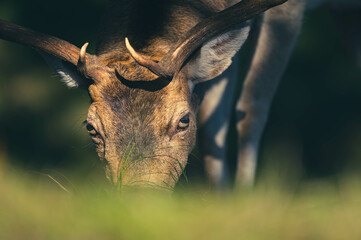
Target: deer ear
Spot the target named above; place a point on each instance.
(216, 54)
(67, 72)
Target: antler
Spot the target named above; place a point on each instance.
(175, 58)
(49, 44)
(54, 46)
(153, 66)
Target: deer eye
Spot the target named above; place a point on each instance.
(91, 129)
(183, 123)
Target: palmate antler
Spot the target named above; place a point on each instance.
(175, 58)
(86, 63)
(90, 66)
(49, 44)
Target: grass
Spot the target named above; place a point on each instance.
(129, 160)
(37, 209)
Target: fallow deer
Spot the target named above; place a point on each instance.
(154, 70)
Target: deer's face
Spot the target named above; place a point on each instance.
(143, 136)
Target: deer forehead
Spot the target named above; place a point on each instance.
(115, 102)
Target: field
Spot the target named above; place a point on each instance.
(36, 208)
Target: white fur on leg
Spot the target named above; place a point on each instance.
(215, 171)
(247, 163)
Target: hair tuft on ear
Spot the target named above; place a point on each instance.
(67, 72)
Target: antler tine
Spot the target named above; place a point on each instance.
(153, 66)
(240, 12)
(81, 65)
(82, 53)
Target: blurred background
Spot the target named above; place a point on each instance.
(314, 130)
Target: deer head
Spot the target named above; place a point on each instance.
(142, 117)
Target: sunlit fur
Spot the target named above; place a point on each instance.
(128, 117)
(141, 145)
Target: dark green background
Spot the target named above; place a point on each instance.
(314, 128)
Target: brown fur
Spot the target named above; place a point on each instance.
(145, 117)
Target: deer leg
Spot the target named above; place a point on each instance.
(214, 117)
(276, 37)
